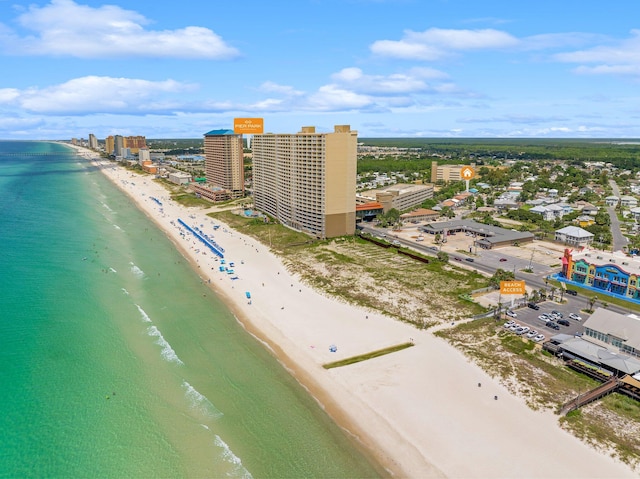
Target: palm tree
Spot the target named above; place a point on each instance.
(592, 301)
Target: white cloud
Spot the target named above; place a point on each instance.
(333, 98)
(65, 28)
(93, 94)
(436, 43)
(620, 58)
(413, 81)
(8, 94)
(271, 87)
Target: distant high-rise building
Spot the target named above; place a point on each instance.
(118, 145)
(144, 156)
(307, 180)
(109, 145)
(134, 143)
(93, 141)
(223, 164)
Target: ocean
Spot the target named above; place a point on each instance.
(117, 362)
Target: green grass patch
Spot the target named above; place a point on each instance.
(365, 357)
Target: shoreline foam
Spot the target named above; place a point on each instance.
(417, 413)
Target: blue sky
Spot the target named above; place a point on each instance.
(388, 68)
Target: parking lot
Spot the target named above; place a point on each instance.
(526, 316)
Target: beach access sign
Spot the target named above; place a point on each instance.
(512, 287)
(248, 126)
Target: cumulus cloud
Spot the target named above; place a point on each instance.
(65, 28)
(436, 43)
(413, 81)
(93, 94)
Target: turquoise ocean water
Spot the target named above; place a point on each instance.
(116, 362)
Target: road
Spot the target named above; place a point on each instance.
(619, 241)
(489, 262)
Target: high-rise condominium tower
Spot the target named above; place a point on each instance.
(224, 167)
(307, 180)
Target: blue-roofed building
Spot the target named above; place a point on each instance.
(223, 166)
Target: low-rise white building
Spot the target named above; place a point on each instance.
(612, 200)
(574, 236)
(179, 177)
(628, 201)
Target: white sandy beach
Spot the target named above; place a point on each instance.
(419, 412)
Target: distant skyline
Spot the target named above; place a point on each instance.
(388, 68)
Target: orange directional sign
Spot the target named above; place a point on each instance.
(248, 125)
(467, 173)
(512, 287)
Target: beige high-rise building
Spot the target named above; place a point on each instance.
(109, 144)
(224, 161)
(446, 173)
(134, 143)
(307, 180)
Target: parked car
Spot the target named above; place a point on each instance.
(538, 338)
(512, 314)
(552, 325)
(533, 306)
(564, 322)
(508, 324)
(522, 330)
(575, 316)
(557, 313)
(532, 334)
(572, 292)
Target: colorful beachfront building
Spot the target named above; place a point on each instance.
(614, 273)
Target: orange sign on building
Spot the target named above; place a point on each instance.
(512, 287)
(467, 173)
(248, 126)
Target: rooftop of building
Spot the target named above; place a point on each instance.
(220, 132)
(374, 205)
(629, 264)
(420, 212)
(575, 232)
(492, 234)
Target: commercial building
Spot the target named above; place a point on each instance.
(223, 166)
(485, 236)
(368, 211)
(307, 180)
(179, 177)
(420, 215)
(613, 273)
(446, 173)
(614, 331)
(401, 196)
